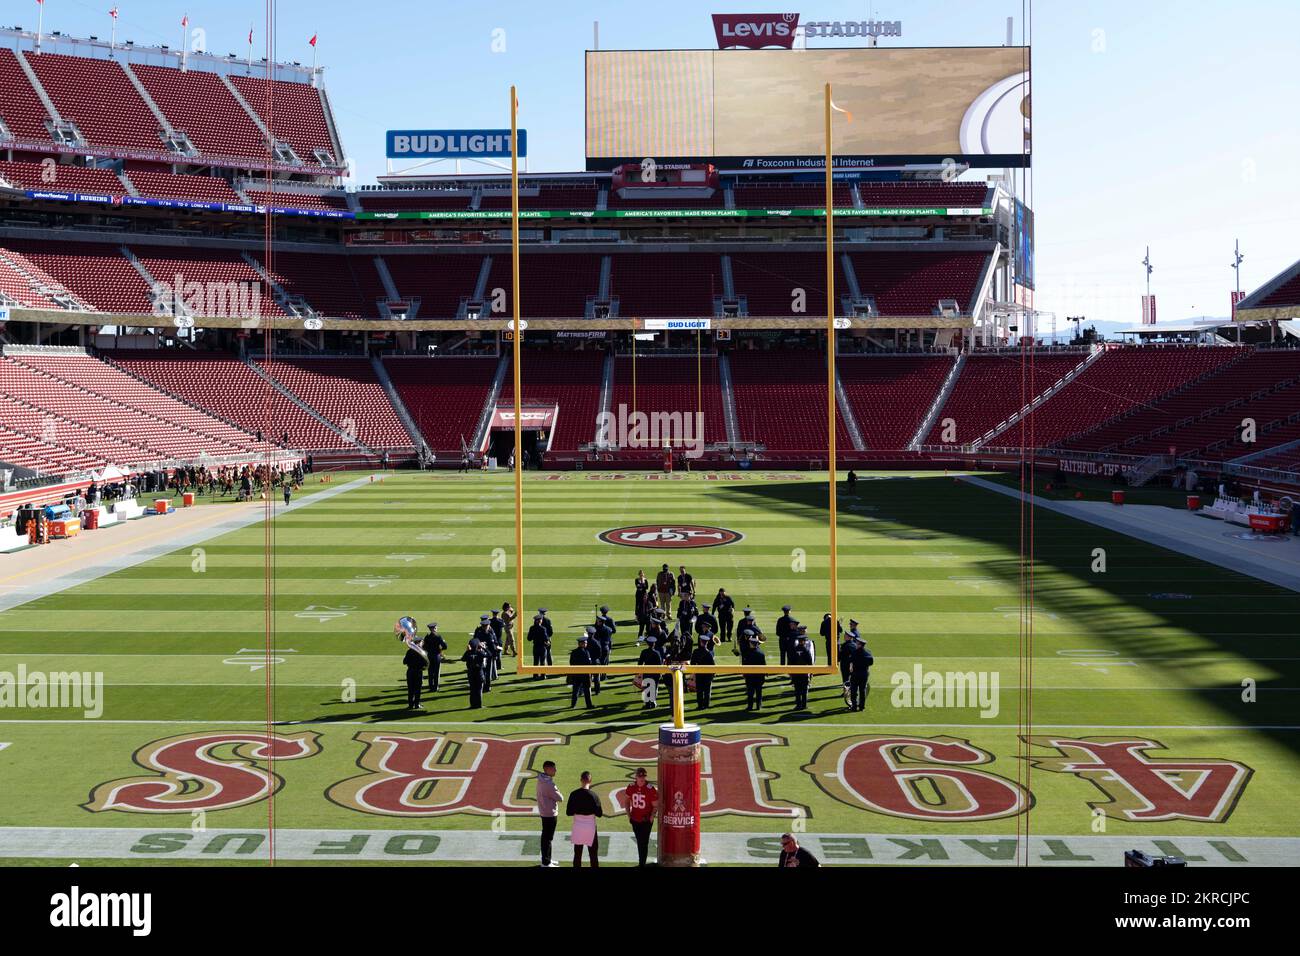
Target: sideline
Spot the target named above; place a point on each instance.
(129, 545)
(1214, 542)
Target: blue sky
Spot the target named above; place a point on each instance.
(1161, 123)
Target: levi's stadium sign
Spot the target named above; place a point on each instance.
(755, 30)
(453, 143)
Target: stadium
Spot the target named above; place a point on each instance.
(256, 419)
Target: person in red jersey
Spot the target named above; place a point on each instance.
(642, 804)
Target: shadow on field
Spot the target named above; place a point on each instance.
(1144, 588)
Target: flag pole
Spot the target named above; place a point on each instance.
(40, 23)
(112, 36)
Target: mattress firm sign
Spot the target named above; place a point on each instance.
(452, 143)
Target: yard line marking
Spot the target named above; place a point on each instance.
(720, 725)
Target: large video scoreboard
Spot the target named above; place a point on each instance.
(763, 109)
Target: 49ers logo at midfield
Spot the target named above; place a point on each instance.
(670, 536)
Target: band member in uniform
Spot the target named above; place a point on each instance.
(475, 659)
(550, 633)
(486, 637)
(725, 608)
(650, 682)
(584, 807)
(666, 585)
(508, 617)
(642, 799)
(434, 645)
(537, 636)
(846, 651)
(642, 603)
(859, 675)
(686, 612)
(548, 801)
(785, 625)
(685, 583)
(826, 632)
(706, 619)
(415, 660)
(753, 656)
(602, 641)
(748, 630)
(581, 683)
(800, 654)
(703, 656)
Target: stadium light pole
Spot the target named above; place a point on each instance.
(830, 378)
(518, 337)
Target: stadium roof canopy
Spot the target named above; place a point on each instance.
(1185, 327)
(1278, 299)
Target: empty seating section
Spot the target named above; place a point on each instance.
(912, 283)
(292, 111)
(15, 287)
(340, 286)
(98, 96)
(665, 283)
(347, 393)
(570, 380)
(62, 177)
(991, 388)
(171, 186)
(444, 396)
(672, 385)
(79, 403)
(793, 381)
(291, 199)
(923, 194)
(20, 106)
(227, 387)
(890, 394)
(439, 282)
(1122, 380)
(27, 451)
(1288, 293)
(768, 281)
(789, 195)
(224, 275)
(554, 285)
(1287, 460)
(96, 273)
(547, 197)
(415, 202)
(203, 108)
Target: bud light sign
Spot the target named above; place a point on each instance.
(453, 143)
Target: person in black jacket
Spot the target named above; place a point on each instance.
(859, 674)
(703, 656)
(579, 656)
(486, 637)
(785, 625)
(725, 608)
(706, 619)
(826, 633)
(414, 660)
(650, 682)
(800, 655)
(434, 645)
(792, 854)
(475, 659)
(753, 656)
(584, 807)
(642, 603)
(602, 641)
(541, 642)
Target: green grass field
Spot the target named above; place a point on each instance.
(1163, 712)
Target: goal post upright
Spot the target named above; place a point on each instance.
(830, 385)
(517, 338)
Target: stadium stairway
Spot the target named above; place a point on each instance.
(1064, 380)
(279, 387)
(403, 414)
(846, 412)
(940, 400)
(728, 399)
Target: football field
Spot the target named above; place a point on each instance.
(1163, 713)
